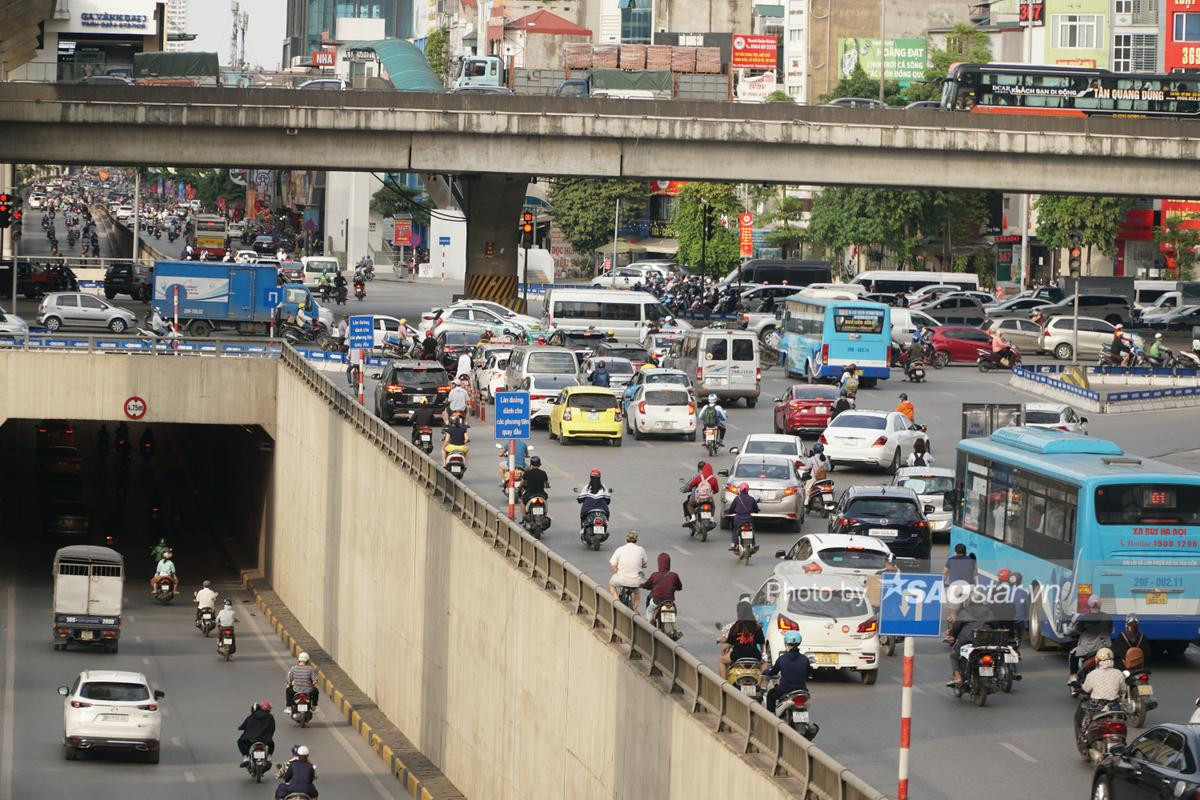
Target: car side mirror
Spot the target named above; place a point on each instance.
(66, 690)
(1083, 420)
(159, 694)
(501, 364)
(376, 375)
(776, 399)
(1117, 749)
(781, 553)
(724, 473)
(929, 509)
(733, 451)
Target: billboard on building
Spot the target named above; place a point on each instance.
(906, 58)
(754, 51)
(1178, 53)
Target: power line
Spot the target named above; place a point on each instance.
(412, 203)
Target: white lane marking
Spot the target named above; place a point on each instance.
(137, 639)
(1018, 752)
(10, 666)
(683, 550)
(175, 742)
(628, 516)
(271, 649)
(146, 661)
(190, 777)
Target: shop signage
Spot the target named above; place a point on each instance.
(1033, 13)
(402, 233)
(906, 58)
(104, 19)
(754, 52)
(324, 58)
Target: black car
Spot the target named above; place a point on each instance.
(1162, 762)
(408, 384)
(892, 514)
(135, 280)
(452, 344)
(264, 244)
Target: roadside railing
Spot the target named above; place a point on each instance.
(138, 344)
(680, 673)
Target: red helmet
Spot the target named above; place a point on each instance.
(745, 487)
(1003, 575)
(594, 473)
(265, 705)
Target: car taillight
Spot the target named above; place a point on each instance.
(699, 373)
(392, 387)
(888, 355)
(789, 491)
(846, 521)
(786, 624)
(986, 660)
(880, 442)
(920, 524)
(642, 407)
(437, 322)
(443, 388)
(1061, 428)
(758, 373)
(824, 354)
(870, 626)
(729, 487)
(80, 704)
(812, 569)
(1084, 591)
(822, 439)
(148, 707)
(691, 409)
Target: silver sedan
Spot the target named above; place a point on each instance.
(774, 482)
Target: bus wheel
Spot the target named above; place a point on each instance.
(1036, 640)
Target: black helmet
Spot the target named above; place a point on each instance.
(818, 448)
(701, 464)
(535, 461)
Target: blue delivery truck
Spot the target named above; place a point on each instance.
(224, 296)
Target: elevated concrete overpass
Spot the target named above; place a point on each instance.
(515, 674)
(527, 135)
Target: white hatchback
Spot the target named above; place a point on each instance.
(111, 709)
(871, 438)
(838, 554)
(1054, 415)
(661, 409)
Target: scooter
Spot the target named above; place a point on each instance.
(745, 546)
(301, 711)
(820, 498)
(664, 620)
(915, 371)
(424, 439)
(164, 591)
(594, 531)
(535, 520)
(746, 675)
(793, 708)
(712, 441)
(1191, 359)
(989, 360)
(226, 646)
(456, 464)
(1139, 696)
(207, 622)
(360, 291)
(986, 666)
(1106, 729)
(260, 761)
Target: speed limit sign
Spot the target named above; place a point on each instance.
(135, 407)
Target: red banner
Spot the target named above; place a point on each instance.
(402, 234)
(754, 52)
(324, 58)
(746, 234)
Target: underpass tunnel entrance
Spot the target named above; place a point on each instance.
(204, 489)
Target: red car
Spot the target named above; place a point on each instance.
(804, 408)
(958, 344)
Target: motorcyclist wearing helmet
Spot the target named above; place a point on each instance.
(702, 486)
(1131, 639)
(600, 376)
(165, 568)
(818, 468)
(301, 679)
(156, 553)
(520, 454)
(258, 726)
(610, 336)
(299, 777)
(743, 508)
(226, 619)
(972, 616)
(792, 668)
(713, 414)
(848, 383)
(534, 483)
(1103, 685)
(743, 640)
(1157, 347)
(595, 496)
(629, 563)
(455, 438)
(1094, 631)
(205, 599)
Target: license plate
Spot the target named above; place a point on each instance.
(706, 515)
(718, 380)
(1156, 598)
(824, 658)
(749, 689)
(598, 528)
(799, 716)
(1145, 689)
(420, 398)
(259, 755)
(207, 617)
(1012, 658)
(87, 634)
(425, 437)
(593, 415)
(538, 511)
(827, 497)
(747, 536)
(302, 707)
(821, 410)
(112, 718)
(884, 532)
(669, 616)
(986, 672)
(710, 435)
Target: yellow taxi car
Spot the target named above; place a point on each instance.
(587, 412)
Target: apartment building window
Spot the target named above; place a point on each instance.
(1123, 7)
(796, 35)
(1077, 31)
(635, 22)
(1187, 27)
(1135, 52)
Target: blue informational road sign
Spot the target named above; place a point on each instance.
(512, 415)
(443, 240)
(272, 297)
(361, 333)
(911, 605)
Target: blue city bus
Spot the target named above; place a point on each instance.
(1078, 517)
(821, 335)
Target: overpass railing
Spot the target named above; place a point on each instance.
(702, 690)
(259, 348)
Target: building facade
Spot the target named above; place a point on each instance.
(95, 37)
(177, 25)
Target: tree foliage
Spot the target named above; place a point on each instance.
(788, 235)
(1096, 220)
(965, 44)
(860, 84)
(779, 96)
(583, 208)
(209, 183)
(437, 52)
(1181, 236)
(720, 253)
(395, 199)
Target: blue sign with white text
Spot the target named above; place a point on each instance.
(910, 605)
(443, 240)
(512, 415)
(361, 333)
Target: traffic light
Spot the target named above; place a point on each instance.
(6, 210)
(527, 223)
(1075, 258)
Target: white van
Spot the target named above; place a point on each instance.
(625, 313)
(721, 361)
(1148, 293)
(315, 265)
(857, 290)
(893, 281)
(906, 320)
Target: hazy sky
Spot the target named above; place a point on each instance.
(212, 22)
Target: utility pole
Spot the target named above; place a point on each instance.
(882, 51)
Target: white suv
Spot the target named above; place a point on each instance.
(1058, 337)
(111, 709)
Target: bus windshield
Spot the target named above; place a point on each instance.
(1147, 504)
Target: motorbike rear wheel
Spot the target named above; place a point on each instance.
(980, 694)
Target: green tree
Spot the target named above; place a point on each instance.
(1181, 241)
(964, 44)
(583, 208)
(779, 96)
(1096, 220)
(437, 52)
(396, 198)
(209, 183)
(860, 84)
(885, 220)
(719, 253)
(788, 235)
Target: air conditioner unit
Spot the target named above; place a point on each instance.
(1123, 19)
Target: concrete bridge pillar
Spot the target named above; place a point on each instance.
(493, 216)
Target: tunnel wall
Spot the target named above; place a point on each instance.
(489, 675)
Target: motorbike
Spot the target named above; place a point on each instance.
(712, 441)
(1191, 360)
(746, 675)
(793, 708)
(301, 711)
(225, 643)
(394, 347)
(299, 337)
(1167, 359)
(746, 546)
(914, 371)
(340, 296)
(1195, 714)
(704, 521)
(518, 474)
(535, 520)
(424, 439)
(368, 273)
(260, 761)
(164, 591)
(664, 620)
(207, 621)
(360, 291)
(456, 464)
(987, 666)
(1106, 729)
(989, 360)
(595, 528)
(820, 498)
(1139, 696)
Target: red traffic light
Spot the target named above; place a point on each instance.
(1076, 252)
(527, 217)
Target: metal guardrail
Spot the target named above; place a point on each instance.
(135, 344)
(702, 690)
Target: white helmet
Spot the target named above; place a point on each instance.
(1158, 336)
(712, 399)
(302, 750)
(302, 657)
